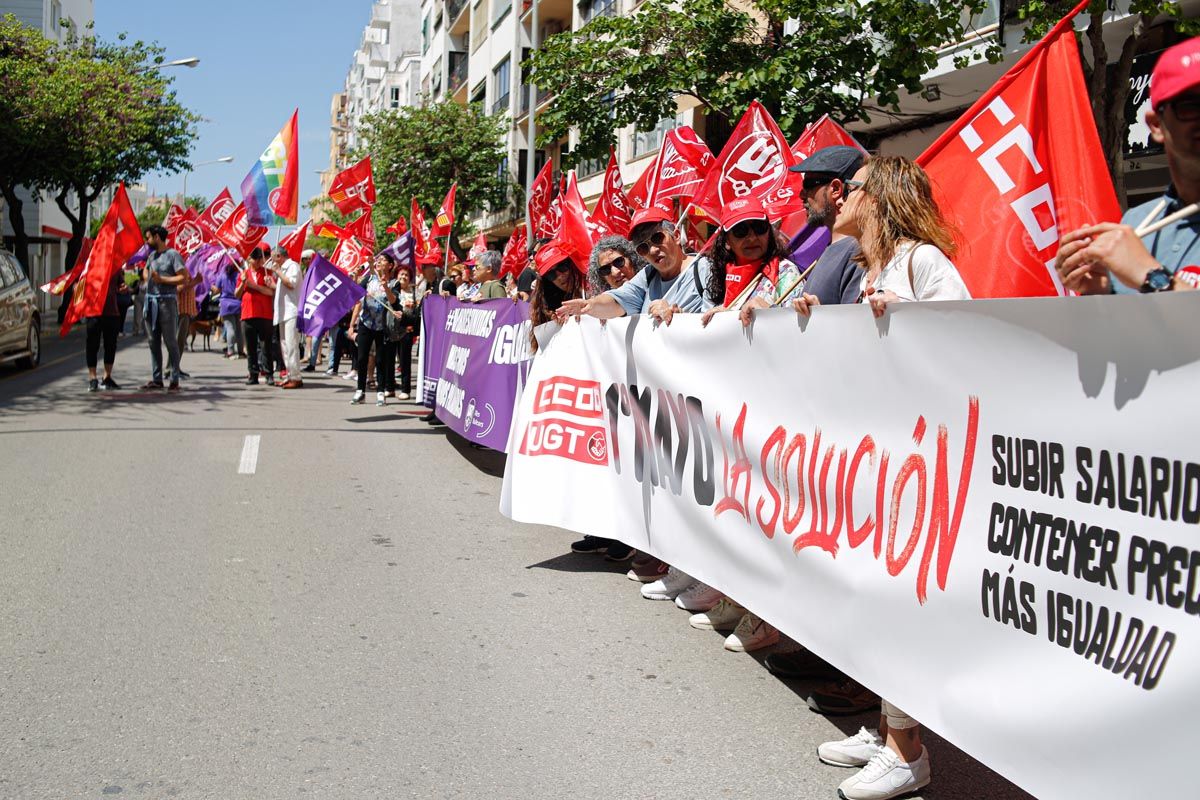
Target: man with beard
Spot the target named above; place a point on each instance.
(835, 278)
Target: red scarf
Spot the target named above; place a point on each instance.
(737, 276)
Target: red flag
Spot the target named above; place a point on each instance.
(184, 231)
(1021, 165)
(753, 163)
(398, 227)
(612, 212)
(293, 243)
(217, 212)
(60, 284)
(425, 248)
(118, 239)
(822, 133)
(238, 234)
(516, 253)
(679, 169)
(353, 188)
(539, 202)
(445, 218)
(637, 194)
(350, 254)
(362, 228)
(172, 218)
(328, 230)
(480, 246)
(574, 233)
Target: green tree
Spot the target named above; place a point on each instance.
(420, 152)
(1106, 69)
(843, 55)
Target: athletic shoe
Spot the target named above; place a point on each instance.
(752, 633)
(698, 597)
(183, 376)
(390, 393)
(271, 380)
(855, 751)
(152, 385)
(404, 396)
(309, 368)
(358, 398)
(109, 384)
(669, 586)
(331, 372)
(380, 398)
(252, 381)
(844, 698)
(801, 665)
(93, 385)
(173, 387)
(590, 544)
(724, 616)
(352, 375)
(886, 776)
(646, 568)
(618, 552)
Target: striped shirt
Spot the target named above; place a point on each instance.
(187, 300)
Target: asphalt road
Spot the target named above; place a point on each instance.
(353, 619)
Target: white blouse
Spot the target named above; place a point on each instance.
(934, 276)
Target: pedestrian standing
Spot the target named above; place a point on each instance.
(230, 310)
(105, 327)
(164, 272)
(406, 324)
(368, 327)
(287, 308)
(257, 292)
(186, 300)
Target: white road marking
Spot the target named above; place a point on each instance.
(249, 461)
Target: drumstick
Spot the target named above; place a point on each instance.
(1154, 212)
(1187, 211)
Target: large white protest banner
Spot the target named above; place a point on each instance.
(986, 511)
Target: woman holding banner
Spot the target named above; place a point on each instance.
(613, 262)
(559, 280)
(906, 248)
(749, 269)
(369, 327)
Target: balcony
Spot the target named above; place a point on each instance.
(501, 106)
(542, 96)
(459, 63)
(456, 21)
(381, 16)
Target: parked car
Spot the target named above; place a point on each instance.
(20, 323)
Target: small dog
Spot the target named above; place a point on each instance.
(205, 328)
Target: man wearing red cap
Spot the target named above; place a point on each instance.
(1169, 259)
(659, 290)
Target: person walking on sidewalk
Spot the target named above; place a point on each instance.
(164, 272)
(106, 327)
(287, 308)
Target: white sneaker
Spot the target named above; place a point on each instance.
(724, 616)
(352, 375)
(698, 597)
(380, 398)
(752, 633)
(358, 398)
(668, 586)
(853, 752)
(403, 396)
(885, 776)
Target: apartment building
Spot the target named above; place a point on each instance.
(48, 228)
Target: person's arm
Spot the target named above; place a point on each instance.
(353, 331)
(1086, 257)
(602, 306)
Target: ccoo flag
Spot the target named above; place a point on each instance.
(1021, 165)
(328, 294)
(271, 190)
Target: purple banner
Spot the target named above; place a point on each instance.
(326, 296)
(476, 357)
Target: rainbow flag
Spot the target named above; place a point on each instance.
(271, 191)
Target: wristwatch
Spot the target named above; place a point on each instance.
(1157, 280)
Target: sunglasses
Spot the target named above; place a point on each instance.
(561, 269)
(757, 227)
(617, 263)
(1186, 110)
(655, 239)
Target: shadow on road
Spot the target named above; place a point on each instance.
(581, 562)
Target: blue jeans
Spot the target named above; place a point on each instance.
(162, 326)
(232, 325)
(316, 350)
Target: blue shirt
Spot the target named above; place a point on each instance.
(685, 290)
(1175, 246)
(166, 264)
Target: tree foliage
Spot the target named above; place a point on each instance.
(98, 113)
(842, 57)
(420, 152)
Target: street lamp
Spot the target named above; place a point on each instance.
(190, 63)
(221, 160)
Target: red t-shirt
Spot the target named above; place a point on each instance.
(254, 304)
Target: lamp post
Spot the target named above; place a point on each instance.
(190, 63)
(221, 160)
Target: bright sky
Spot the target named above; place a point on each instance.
(259, 59)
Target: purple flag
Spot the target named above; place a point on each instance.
(401, 250)
(208, 262)
(140, 256)
(326, 295)
(806, 246)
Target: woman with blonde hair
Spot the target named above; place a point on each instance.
(906, 242)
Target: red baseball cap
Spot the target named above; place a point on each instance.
(644, 216)
(550, 255)
(1177, 70)
(740, 210)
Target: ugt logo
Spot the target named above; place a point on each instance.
(755, 161)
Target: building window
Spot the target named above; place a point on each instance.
(643, 142)
(395, 97)
(425, 35)
(479, 93)
(479, 24)
(590, 9)
(501, 83)
(500, 9)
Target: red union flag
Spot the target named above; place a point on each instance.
(679, 169)
(753, 163)
(539, 202)
(353, 188)
(118, 239)
(822, 133)
(516, 253)
(293, 243)
(184, 231)
(399, 227)
(217, 212)
(1020, 167)
(575, 229)
(238, 234)
(444, 220)
(425, 248)
(362, 228)
(612, 212)
(350, 254)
